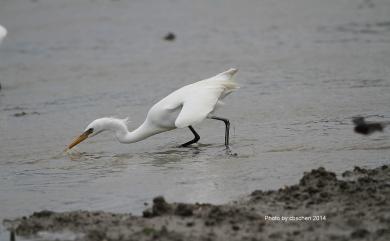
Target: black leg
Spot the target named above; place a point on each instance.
(227, 124)
(195, 140)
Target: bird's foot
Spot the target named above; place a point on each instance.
(230, 152)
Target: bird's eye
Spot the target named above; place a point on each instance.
(90, 130)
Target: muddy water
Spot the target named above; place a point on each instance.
(305, 70)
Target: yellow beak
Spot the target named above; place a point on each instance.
(79, 139)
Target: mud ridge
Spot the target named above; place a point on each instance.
(321, 206)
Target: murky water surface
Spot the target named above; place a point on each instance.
(305, 70)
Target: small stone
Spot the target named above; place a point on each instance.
(183, 210)
(170, 36)
(43, 213)
(19, 114)
(360, 233)
(235, 227)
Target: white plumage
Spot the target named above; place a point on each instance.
(192, 103)
(3, 33)
(184, 107)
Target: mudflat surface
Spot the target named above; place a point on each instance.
(321, 207)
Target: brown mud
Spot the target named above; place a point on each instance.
(354, 206)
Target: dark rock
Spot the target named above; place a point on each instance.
(160, 206)
(360, 233)
(170, 36)
(343, 185)
(316, 176)
(359, 170)
(147, 214)
(43, 214)
(19, 114)
(366, 180)
(381, 232)
(190, 224)
(184, 210)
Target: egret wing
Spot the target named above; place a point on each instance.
(197, 105)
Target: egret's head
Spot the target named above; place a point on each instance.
(97, 126)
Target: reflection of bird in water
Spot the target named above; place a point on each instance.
(184, 107)
(367, 128)
(3, 33)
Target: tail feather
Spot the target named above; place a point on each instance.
(228, 74)
(223, 80)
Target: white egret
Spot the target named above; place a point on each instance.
(3, 33)
(184, 107)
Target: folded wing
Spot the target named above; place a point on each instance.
(200, 98)
(197, 107)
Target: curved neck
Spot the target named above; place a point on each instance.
(125, 136)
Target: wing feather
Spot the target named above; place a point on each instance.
(197, 107)
(200, 99)
(197, 100)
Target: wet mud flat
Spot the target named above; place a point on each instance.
(354, 206)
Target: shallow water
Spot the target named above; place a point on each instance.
(305, 70)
